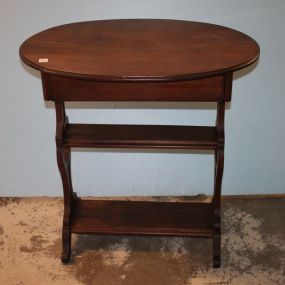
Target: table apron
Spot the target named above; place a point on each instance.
(73, 89)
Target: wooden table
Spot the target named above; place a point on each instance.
(139, 60)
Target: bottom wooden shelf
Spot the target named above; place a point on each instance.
(142, 218)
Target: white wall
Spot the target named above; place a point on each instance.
(255, 125)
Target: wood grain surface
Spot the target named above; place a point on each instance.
(140, 49)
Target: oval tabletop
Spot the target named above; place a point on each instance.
(139, 49)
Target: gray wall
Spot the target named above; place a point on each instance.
(255, 127)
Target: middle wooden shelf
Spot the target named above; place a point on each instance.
(140, 136)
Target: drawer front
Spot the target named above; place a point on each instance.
(70, 89)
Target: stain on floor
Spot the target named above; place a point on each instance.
(253, 249)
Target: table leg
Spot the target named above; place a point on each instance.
(64, 160)
(219, 167)
(64, 166)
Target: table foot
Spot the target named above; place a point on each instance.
(65, 258)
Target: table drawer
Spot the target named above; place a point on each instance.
(70, 89)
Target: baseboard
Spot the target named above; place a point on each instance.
(254, 196)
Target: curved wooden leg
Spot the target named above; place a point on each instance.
(63, 161)
(219, 167)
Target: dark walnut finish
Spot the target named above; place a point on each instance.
(139, 60)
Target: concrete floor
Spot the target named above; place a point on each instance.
(253, 249)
